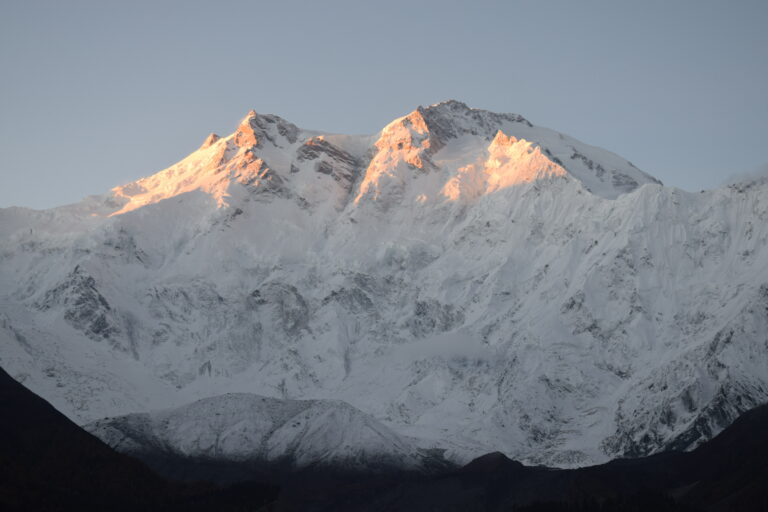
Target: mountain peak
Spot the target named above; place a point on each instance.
(210, 140)
(449, 105)
(254, 128)
(245, 135)
(451, 119)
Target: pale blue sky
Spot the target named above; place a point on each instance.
(98, 93)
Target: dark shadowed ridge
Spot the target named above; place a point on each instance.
(47, 463)
(729, 473)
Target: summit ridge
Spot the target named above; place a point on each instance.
(267, 145)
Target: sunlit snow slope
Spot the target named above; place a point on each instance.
(470, 280)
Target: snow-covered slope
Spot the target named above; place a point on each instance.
(468, 279)
(242, 427)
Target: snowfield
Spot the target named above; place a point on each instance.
(463, 280)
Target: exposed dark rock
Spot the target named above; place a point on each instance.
(85, 308)
(431, 316)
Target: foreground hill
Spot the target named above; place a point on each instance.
(241, 436)
(728, 473)
(47, 463)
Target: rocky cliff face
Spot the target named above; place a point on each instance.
(470, 280)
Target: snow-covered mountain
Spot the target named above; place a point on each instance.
(242, 427)
(470, 280)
